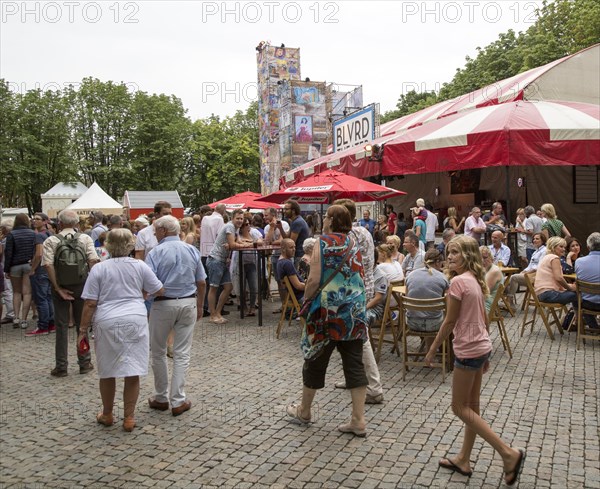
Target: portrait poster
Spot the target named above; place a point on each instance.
(314, 151)
(303, 126)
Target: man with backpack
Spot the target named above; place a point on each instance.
(68, 257)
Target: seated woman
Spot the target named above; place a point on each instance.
(396, 243)
(550, 285)
(427, 283)
(539, 243)
(385, 272)
(304, 266)
(567, 262)
(493, 276)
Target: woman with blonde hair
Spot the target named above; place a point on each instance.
(114, 302)
(493, 276)
(452, 220)
(466, 318)
(394, 240)
(553, 226)
(550, 285)
(188, 230)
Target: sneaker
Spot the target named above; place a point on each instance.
(86, 368)
(374, 399)
(37, 332)
(24, 324)
(7, 320)
(51, 328)
(57, 372)
(16, 323)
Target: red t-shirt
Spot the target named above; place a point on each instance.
(392, 223)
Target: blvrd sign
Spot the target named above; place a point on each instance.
(356, 129)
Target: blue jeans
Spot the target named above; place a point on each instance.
(42, 296)
(566, 297)
(251, 277)
(471, 363)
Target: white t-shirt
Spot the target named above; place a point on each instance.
(146, 240)
(117, 285)
(209, 230)
(432, 224)
(277, 234)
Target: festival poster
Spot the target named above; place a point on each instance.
(303, 125)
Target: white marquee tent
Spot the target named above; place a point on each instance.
(96, 199)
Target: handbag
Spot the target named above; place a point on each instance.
(312, 312)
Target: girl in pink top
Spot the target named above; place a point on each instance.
(466, 318)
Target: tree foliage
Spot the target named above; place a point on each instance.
(562, 27)
(103, 132)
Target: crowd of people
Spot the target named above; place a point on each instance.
(154, 277)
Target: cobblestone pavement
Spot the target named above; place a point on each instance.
(545, 399)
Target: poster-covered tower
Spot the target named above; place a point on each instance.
(276, 65)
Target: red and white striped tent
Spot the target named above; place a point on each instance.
(573, 78)
(511, 134)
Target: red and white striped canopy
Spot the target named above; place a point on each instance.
(516, 133)
(572, 78)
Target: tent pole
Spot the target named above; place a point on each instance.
(508, 214)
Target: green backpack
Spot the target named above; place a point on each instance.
(70, 260)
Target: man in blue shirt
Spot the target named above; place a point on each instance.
(286, 268)
(299, 230)
(367, 222)
(178, 266)
(587, 268)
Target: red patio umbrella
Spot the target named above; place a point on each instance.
(330, 185)
(244, 200)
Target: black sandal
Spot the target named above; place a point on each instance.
(516, 472)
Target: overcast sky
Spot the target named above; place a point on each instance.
(204, 52)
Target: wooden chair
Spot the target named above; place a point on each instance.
(379, 330)
(410, 304)
(544, 309)
(495, 315)
(290, 302)
(583, 331)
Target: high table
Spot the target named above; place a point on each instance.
(260, 253)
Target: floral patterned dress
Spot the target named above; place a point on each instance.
(338, 313)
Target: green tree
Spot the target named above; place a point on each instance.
(159, 142)
(38, 153)
(101, 129)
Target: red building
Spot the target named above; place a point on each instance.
(136, 202)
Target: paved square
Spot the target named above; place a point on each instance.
(546, 399)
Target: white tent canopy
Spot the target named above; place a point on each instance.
(96, 199)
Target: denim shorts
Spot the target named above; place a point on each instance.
(471, 363)
(218, 272)
(20, 270)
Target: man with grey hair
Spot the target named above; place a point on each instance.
(115, 222)
(474, 225)
(533, 225)
(178, 266)
(415, 257)
(587, 268)
(95, 219)
(65, 295)
(447, 235)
